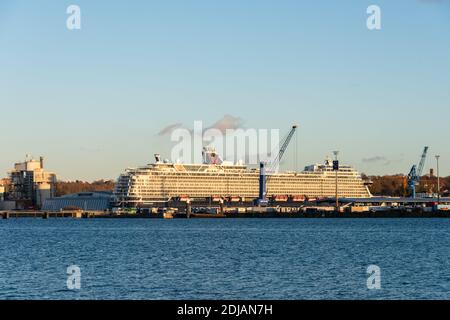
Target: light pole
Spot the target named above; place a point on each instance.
(336, 169)
(438, 180)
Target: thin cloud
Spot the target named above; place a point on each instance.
(432, 1)
(376, 159)
(169, 129)
(227, 122)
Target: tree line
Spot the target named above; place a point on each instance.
(69, 187)
(394, 185)
(397, 185)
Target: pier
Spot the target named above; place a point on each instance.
(236, 213)
(281, 207)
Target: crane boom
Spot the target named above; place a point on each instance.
(422, 161)
(416, 172)
(262, 199)
(276, 161)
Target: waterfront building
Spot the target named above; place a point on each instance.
(86, 201)
(30, 184)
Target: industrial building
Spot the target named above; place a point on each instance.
(4, 187)
(4, 183)
(86, 201)
(30, 185)
(2, 193)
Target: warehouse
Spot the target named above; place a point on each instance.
(87, 201)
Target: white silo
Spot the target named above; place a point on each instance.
(43, 192)
(2, 193)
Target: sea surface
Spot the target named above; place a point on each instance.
(225, 258)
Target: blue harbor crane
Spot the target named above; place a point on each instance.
(269, 167)
(416, 172)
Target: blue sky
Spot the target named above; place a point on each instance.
(92, 101)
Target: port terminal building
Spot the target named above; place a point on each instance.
(84, 201)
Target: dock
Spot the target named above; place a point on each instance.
(49, 214)
(374, 207)
(238, 212)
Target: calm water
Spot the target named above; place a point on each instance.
(225, 259)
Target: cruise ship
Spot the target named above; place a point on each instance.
(162, 181)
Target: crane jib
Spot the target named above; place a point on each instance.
(262, 200)
(416, 172)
